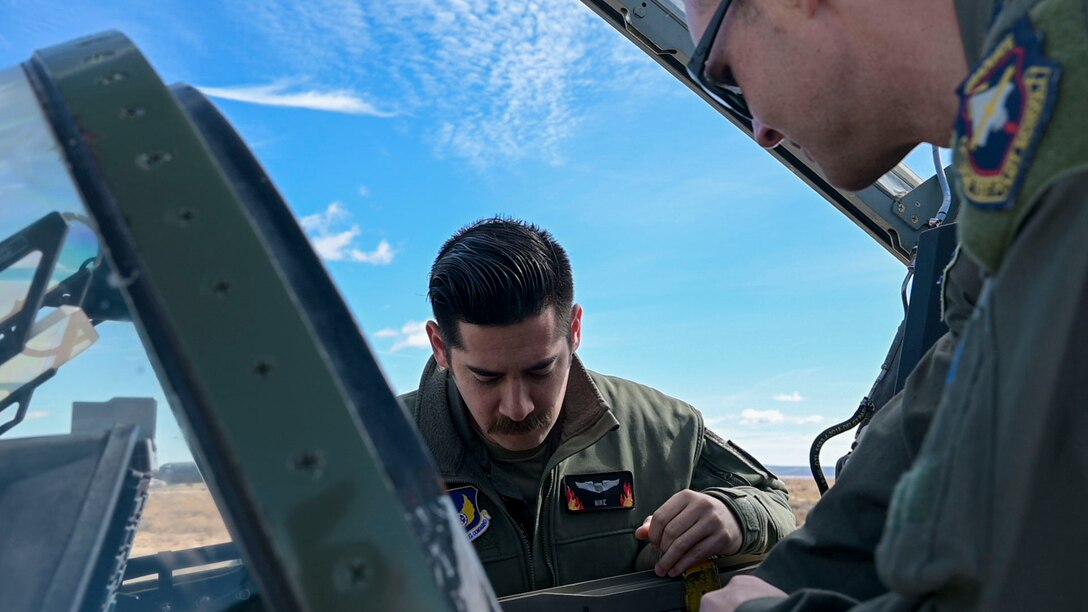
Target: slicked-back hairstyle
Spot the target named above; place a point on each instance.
(499, 271)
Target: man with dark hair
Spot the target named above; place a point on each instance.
(560, 474)
(990, 514)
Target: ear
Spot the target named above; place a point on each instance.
(575, 327)
(438, 345)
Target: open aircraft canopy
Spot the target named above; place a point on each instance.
(894, 211)
(122, 199)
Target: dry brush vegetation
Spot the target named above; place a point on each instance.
(179, 517)
(184, 516)
(803, 496)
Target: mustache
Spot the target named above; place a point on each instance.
(537, 419)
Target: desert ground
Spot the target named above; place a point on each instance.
(803, 496)
(178, 517)
(183, 516)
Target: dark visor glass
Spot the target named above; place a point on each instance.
(727, 95)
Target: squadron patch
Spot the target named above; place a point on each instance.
(473, 518)
(1005, 105)
(608, 491)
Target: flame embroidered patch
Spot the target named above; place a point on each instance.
(606, 491)
(573, 503)
(627, 499)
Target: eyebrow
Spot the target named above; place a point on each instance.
(540, 365)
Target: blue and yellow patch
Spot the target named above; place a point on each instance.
(1005, 105)
(473, 518)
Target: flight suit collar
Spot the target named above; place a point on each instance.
(585, 417)
(584, 408)
(974, 18)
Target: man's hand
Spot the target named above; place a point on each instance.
(688, 528)
(739, 590)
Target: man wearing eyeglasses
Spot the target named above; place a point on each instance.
(990, 515)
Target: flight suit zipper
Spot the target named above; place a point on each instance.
(542, 508)
(501, 507)
(529, 549)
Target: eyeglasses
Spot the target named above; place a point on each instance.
(727, 93)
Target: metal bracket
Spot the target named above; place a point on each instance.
(921, 204)
(648, 21)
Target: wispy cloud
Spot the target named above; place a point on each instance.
(363, 191)
(774, 447)
(757, 392)
(334, 238)
(313, 34)
(519, 102)
(488, 80)
(412, 334)
(288, 93)
(36, 414)
(751, 416)
(789, 397)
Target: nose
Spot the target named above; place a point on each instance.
(516, 404)
(767, 137)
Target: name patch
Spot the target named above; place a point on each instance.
(607, 491)
(473, 518)
(1005, 105)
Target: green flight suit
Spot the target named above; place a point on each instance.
(991, 514)
(833, 554)
(610, 426)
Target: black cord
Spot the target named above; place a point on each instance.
(862, 414)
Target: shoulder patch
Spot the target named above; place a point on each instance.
(606, 491)
(473, 518)
(1005, 105)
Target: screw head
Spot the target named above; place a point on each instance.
(308, 463)
(182, 217)
(111, 78)
(147, 161)
(263, 368)
(221, 288)
(351, 575)
(134, 112)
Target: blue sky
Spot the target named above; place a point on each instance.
(706, 269)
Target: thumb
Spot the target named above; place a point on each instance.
(643, 531)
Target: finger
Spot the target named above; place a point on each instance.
(668, 510)
(696, 554)
(687, 542)
(696, 532)
(705, 532)
(642, 532)
(739, 590)
(678, 526)
(721, 600)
